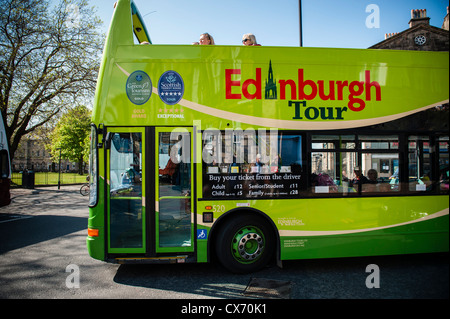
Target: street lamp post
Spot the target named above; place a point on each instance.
(300, 21)
(59, 169)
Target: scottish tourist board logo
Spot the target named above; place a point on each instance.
(139, 87)
(170, 87)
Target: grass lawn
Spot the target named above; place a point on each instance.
(51, 178)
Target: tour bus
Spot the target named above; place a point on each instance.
(257, 155)
(5, 166)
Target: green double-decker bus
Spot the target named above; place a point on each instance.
(261, 154)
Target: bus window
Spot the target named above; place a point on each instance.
(349, 164)
(419, 164)
(174, 189)
(252, 164)
(125, 179)
(93, 168)
(333, 142)
(381, 171)
(443, 164)
(332, 172)
(126, 164)
(380, 142)
(332, 164)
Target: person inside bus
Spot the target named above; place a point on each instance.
(344, 176)
(132, 177)
(372, 181)
(359, 177)
(372, 175)
(249, 39)
(206, 39)
(258, 164)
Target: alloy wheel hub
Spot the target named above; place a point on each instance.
(247, 244)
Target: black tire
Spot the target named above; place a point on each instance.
(245, 243)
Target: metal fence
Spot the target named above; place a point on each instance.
(49, 178)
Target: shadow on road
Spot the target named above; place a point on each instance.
(208, 280)
(336, 278)
(27, 231)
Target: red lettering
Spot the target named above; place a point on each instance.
(340, 87)
(229, 84)
(356, 88)
(256, 83)
(369, 85)
(307, 89)
(322, 95)
(283, 84)
(301, 87)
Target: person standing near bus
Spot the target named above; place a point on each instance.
(249, 39)
(206, 39)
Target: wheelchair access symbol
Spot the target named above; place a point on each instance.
(201, 233)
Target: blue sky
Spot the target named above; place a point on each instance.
(325, 23)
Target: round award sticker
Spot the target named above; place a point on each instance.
(170, 87)
(139, 87)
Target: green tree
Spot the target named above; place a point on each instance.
(49, 58)
(71, 135)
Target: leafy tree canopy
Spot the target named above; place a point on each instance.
(71, 135)
(49, 60)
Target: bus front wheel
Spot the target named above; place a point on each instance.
(245, 243)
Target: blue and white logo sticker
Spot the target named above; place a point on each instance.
(170, 87)
(139, 87)
(202, 234)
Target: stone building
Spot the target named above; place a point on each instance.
(32, 155)
(419, 36)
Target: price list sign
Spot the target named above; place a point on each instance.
(228, 186)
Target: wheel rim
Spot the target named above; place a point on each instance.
(247, 245)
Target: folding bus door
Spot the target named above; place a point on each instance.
(174, 216)
(126, 190)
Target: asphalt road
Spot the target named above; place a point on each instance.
(43, 250)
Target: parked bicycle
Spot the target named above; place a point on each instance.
(84, 189)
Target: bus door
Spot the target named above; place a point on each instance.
(174, 214)
(126, 190)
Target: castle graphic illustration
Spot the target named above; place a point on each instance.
(271, 86)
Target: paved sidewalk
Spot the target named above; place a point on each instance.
(31, 201)
(35, 215)
(43, 231)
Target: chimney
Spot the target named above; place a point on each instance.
(418, 16)
(388, 35)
